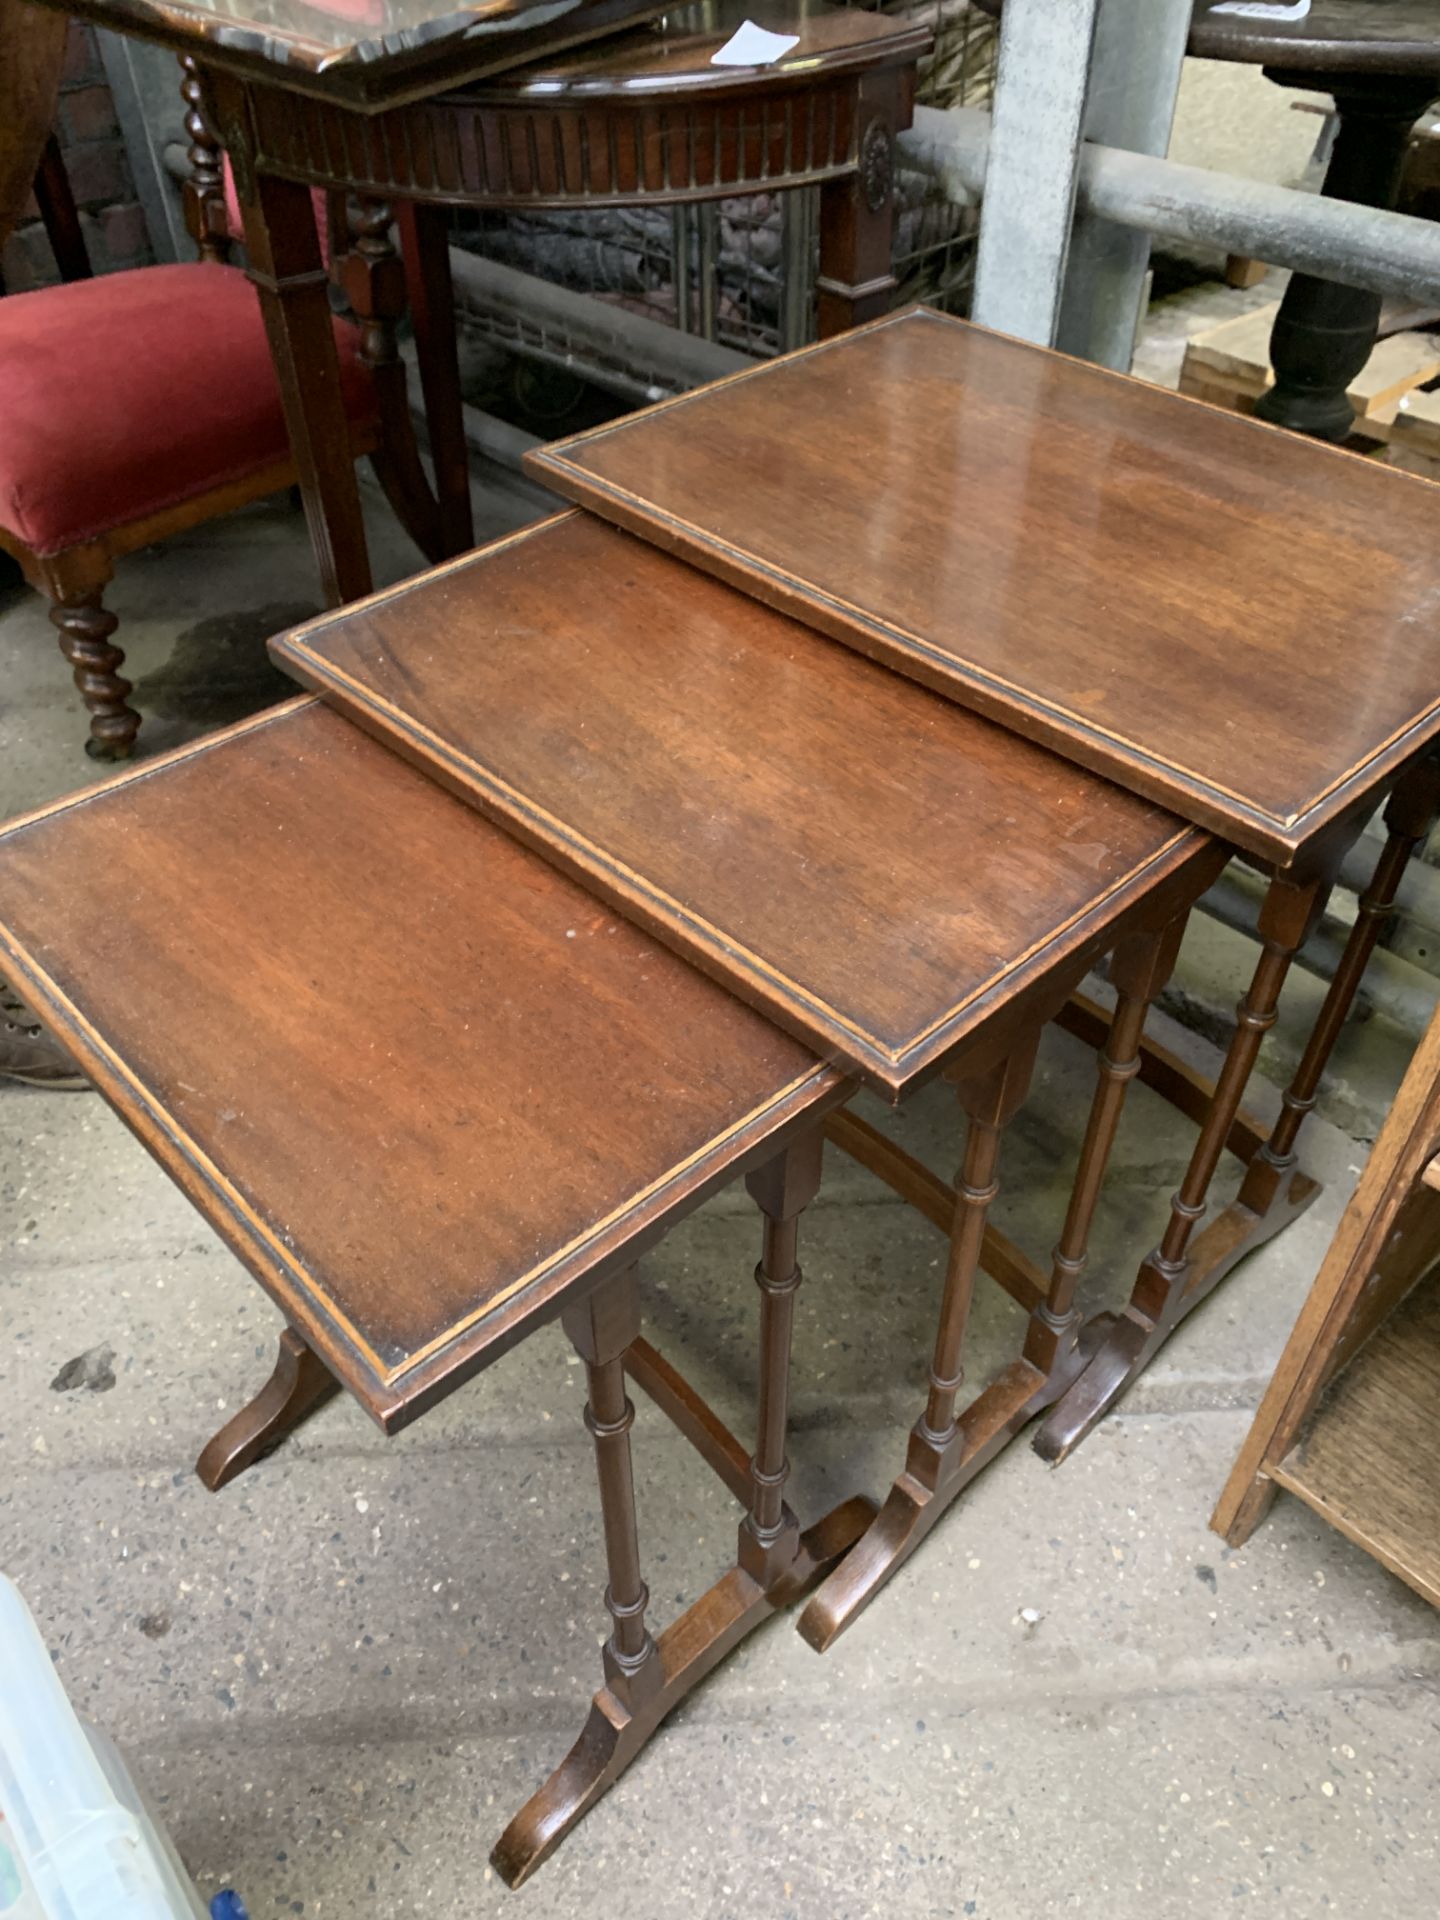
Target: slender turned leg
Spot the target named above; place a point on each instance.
(283, 247)
(373, 275)
(1407, 817)
(1165, 1289)
(600, 1329)
(856, 280)
(1139, 969)
(774, 1564)
(300, 1383)
(85, 625)
(945, 1452)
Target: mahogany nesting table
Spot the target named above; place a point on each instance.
(200, 933)
(905, 887)
(1209, 611)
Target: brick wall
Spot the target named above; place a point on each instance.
(100, 179)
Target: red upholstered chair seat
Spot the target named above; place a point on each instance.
(136, 391)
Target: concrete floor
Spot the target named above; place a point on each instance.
(338, 1678)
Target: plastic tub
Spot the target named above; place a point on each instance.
(77, 1841)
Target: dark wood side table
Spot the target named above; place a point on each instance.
(905, 887)
(415, 1212)
(1351, 1417)
(1205, 609)
(408, 119)
(1380, 59)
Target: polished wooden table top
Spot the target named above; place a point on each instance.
(871, 865)
(1318, 36)
(371, 53)
(1328, 36)
(421, 1083)
(1220, 615)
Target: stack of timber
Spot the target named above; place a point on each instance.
(1415, 435)
(1229, 366)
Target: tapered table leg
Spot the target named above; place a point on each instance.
(775, 1562)
(1170, 1283)
(300, 1383)
(425, 243)
(283, 247)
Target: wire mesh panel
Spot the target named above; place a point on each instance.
(742, 271)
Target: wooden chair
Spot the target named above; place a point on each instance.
(135, 406)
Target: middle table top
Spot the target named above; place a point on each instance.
(1215, 613)
(875, 868)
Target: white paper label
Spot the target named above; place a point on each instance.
(752, 46)
(1264, 9)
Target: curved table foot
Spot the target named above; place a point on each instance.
(1130, 1340)
(926, 1488)
(300, 1383)
(614, 1733)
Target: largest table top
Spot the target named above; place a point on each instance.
(1220, 615)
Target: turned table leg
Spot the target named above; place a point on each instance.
(1325, 332)
(944, 1451)
(1139, 969)
(775, 1562)
(1408, 817)
(300, 1383)
(1169, 1285)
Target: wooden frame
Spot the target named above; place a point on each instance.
(1344, 1451)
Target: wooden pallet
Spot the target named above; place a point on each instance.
(1229, 366)
(1415, 435)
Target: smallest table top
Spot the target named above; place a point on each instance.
(1221, 615)
(422, 1084)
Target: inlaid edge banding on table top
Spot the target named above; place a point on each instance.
(518, 809)
(291, 1279)
(647, 517)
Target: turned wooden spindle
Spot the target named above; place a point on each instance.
(1408, 817)
(1291, 909)
(85, 625)
(373, 276)
(990, 1100)
(206, 215)
(1139, 969)
(601, 1327)
(782, 1189)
